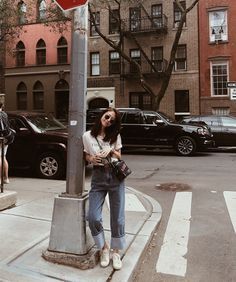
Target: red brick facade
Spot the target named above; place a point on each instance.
(217, 55)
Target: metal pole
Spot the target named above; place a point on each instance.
(77, 114)
(2, 160)
(70, 236)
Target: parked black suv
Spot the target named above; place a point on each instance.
(40, 144)
(150, 129)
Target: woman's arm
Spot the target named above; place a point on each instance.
(116, 154)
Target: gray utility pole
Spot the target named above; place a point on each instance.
(68, 229)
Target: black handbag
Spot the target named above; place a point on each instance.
(119, 167)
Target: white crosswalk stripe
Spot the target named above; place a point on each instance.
(230, 199)
(174, 248)
(175, 245)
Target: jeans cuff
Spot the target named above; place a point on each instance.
(118, 243)
(99, 240)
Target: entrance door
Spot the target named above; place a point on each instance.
(98, 103)
(62, 100)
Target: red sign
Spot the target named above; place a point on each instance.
(70, 4)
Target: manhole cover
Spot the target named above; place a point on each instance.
(173, 186)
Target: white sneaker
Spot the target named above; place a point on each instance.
(117, 263)
(105, 258)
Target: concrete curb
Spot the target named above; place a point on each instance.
(141, 240)
(7, 199)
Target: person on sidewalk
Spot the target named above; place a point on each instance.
(5, 162)
(101, 142)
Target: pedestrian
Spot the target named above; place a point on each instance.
(103, 143)
(5, 162)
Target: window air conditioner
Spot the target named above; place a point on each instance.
(218, 37)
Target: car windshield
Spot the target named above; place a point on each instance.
(165, 116)
(45, 123)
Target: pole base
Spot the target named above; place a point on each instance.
(69, 233)
(83, 262)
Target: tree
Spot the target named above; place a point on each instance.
(121, 6)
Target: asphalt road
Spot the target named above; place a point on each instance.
(196, 239)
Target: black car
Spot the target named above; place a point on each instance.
(222, 127)
(150, 129)
(40, 144)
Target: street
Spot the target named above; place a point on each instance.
(198, 199)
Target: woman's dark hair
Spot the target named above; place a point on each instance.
(111, 131)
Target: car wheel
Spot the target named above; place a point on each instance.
(50, 166)
(185, 146)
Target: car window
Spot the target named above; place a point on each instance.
(132, 118)
(228, 121)
(151, 118)
(16, 124)
(211, 121)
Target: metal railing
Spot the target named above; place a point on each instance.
(146, 24)
(158, 67)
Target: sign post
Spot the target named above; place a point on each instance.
(68, 229)
(232, 88)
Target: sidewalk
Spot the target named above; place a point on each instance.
(25, 230)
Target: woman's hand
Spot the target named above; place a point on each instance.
(94, 159)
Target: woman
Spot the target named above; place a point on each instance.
(5, 162)
(101, 144)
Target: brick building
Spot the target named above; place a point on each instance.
(182, 96)
(217, 56)
(38, 75)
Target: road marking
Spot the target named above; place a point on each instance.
(171, 258)
(230, 199)
(132, 203)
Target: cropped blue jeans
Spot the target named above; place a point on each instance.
(104, 182)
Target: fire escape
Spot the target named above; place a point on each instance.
(140, 27)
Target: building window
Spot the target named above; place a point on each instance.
(114, 62)
(218, 26)
(114, 22)
(41, 53)
(136, 56)
(157, 58)
(92, 26)
(95, 63)
(41, 10)
(181, 102)
(21, 96)
(140, 100)
(62, 51)
(38, 100)
(20, 54)
(135, 18)
(181, 58)
(157, 15)
(178, 13)
(22, 9)
(219, 78)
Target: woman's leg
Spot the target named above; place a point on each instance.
(5, 168)
(117, 211)
(117, 216)
(96, 201)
